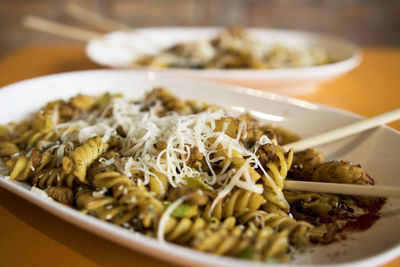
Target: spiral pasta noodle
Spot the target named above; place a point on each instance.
(182, 171)
(213, 238)
(184, 230)
(8, 148)
(102, 207)
(84, 156)
(238, 201)
(277, 170)
(127, 193)
(24, 167)
(283, 225)
(53, 177)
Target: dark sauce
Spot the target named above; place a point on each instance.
(336, 231)
(365, 221)
(362, 222)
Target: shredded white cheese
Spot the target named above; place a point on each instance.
(165, 217)
(39, 192)
(99, 193)
(180, 134)
(107, 162)
(265, 140)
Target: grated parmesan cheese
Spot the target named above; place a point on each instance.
(179, 133)
(165, 217)
(39, 192)
(265, 140)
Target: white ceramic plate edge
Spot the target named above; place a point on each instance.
(297, 75)
(166, 251)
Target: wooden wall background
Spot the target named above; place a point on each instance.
(367, 22)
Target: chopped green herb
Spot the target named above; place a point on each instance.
(246, 253)
(196, 182)
(273, 260)
(120, 214)
(150, 233)
(150, 210)
(103, 100)
(181, 211)
(92, 212)
(253, 227)
(131, 200)
(166, 204)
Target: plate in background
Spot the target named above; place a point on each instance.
(376, 150)
(120, 49)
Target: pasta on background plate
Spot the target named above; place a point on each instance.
(235, 49)
(184, 172)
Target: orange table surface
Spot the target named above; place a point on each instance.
(30, 236)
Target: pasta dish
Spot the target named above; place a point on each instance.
(234, 49)
(184, 171)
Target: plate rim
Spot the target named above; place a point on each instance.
(247, 90)
(293, 73)
(49, 206)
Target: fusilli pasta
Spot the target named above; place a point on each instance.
(182, 171)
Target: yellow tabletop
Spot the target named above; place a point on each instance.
(31, 236)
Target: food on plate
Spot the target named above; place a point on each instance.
(184, 172)
(235, 49)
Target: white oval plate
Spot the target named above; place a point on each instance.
(376, 150)
(120, 49)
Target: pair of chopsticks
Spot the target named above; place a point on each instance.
(79, 13)
(336, 188)
(89, 17)
(107, 24)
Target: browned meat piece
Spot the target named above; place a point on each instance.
(196, 158)
(316, 207)
(266, 154)
(95, 168)
(228, 61)
(61, 194)
(345, 172)
(67, 111)
(324, 234)
(370, 203)
(168, 100)
(341, 172)
(305, 163)
(36, 157)
(195, 154)
(254, 131)
(254, 134)
(283, 135)
(177, 48)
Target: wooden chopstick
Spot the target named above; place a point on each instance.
(48, 26)
(90, 17)
(343, 189)
(87, 16)
(344, 131)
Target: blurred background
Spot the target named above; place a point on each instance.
(367, 22)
